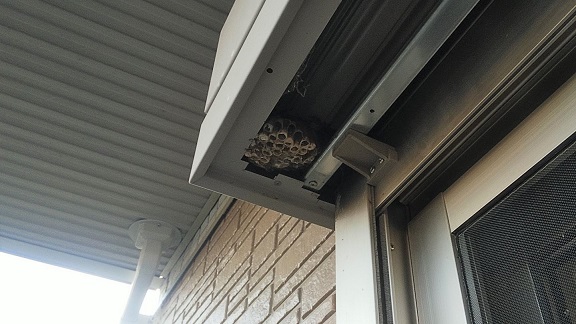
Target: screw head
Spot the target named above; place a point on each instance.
(313, 183)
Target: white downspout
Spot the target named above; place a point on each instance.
(151, 237)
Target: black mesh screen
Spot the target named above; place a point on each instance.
(519, 258)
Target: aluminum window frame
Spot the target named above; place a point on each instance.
(531, 142)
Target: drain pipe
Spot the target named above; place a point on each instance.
(151, 237)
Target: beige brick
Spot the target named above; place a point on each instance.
(220, 240)
(314, 288)
(291, 318)
(283, 309)
(192, 255)
(264, 248)
(200, 313)
(285, 228)
(245, 217)
(306, 269)
(224, 258)
(223, 266)
(234, 283)
(189, 284)
(273, 258)
(193, 301)
(288, 239)
(217, 315)
(239, 290)
(240, 256)
(186, 305)
(321, 313)
(258, 265)
(265, 269)
(205, 286)
(265, 224)
(179, 318)
(227, 227)
(283, 220)
(299, 251)
(247, 212)
(231, 288)
(258, 310)
(201, 257)
(257, 286)
(236, 312)
(248, 228)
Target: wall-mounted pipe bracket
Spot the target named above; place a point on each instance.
(151, 237)
(149, 229)
(364, 154)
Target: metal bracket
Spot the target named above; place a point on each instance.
(364, 154)
(425, 43)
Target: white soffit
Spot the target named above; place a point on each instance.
(280, 38)
(101, 103)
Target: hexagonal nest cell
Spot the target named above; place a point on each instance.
(282, 145)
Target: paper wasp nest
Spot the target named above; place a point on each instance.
(282, 144)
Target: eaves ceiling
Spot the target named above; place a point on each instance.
(100, 107)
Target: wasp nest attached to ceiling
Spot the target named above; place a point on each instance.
(282, 144)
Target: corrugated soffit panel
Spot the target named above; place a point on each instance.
(100, 107)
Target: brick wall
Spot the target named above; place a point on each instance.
(259, 266)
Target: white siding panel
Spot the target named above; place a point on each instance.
(100, 108)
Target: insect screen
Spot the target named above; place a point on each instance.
(518, 259)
